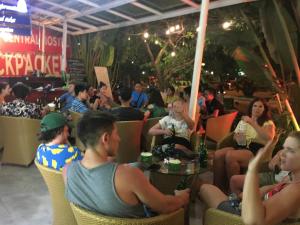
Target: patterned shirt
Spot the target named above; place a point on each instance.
(21, 108)
(56, 156)
(78, 106)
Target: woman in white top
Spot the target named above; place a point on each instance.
(252, 133)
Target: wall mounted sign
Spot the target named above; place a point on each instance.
(15, 17)
(20, 55)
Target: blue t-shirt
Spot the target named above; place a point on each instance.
(138, 99)
(67, 99)
(78, 106)
(56, 156)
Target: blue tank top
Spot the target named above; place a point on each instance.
(94, 189)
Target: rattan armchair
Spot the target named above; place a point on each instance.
(20, 139)
(85, 217)
(146, 137)
(217, 217)
(219, 127)
(130, 145)
(62, 212)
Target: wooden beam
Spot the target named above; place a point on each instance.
(147, 8)
(191, 3)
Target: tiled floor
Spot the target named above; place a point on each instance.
(24, 198)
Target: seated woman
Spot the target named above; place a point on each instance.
(175, 127)
(156, 105)
(269, 204)
(257, 129)
(273, 176)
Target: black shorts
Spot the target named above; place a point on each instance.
(177, 140)
(253, 147)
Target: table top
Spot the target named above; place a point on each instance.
(187, 168)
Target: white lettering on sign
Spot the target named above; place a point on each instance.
(10, 20)
(21, 7)
(6, 30)
(18, 63)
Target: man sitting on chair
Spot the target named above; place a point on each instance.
(126, 112)
(54, 152)
(78, 104)
(98, 184)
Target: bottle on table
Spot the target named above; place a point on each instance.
(203, 153)
(183, 184)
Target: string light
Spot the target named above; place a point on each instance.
(226, 25)
(167, 32)
(132, 62)
(146, 35)
(177, 27)
(183, 43)
(129, 38)
(156, 42)
(172, 29)
(173, 54)
(203, 64)
(212, 72)
(143, 72)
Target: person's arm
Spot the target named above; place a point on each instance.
(153, 198)
(157, 130)
(273, 210)
(146, 115)
(188, 120)
(266, 132)
(275, 160)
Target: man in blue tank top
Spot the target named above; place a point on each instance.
(98, 184)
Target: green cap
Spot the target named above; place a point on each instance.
(52, 121)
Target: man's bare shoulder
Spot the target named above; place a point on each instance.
(128, 171)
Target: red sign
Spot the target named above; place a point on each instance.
(20, 55)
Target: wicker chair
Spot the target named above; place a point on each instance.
(75, 118)
(217, 128)
(218, 217)
(19, 139)
(62, 212)
(130, 145)
(85, 217)
(146, 138)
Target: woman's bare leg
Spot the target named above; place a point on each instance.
(211, 195)
(235, 160)
(237, 184)
(219, 169)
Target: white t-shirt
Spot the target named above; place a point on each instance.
(180, 126)
(251, 134)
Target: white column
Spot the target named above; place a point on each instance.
(64, 48)
(198, 57)
(43, 49)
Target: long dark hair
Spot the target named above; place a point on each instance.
(3, 85)
(265, 116)
(155, 97)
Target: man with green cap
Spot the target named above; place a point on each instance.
(54, 152)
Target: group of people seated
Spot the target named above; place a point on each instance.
(94, 181)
